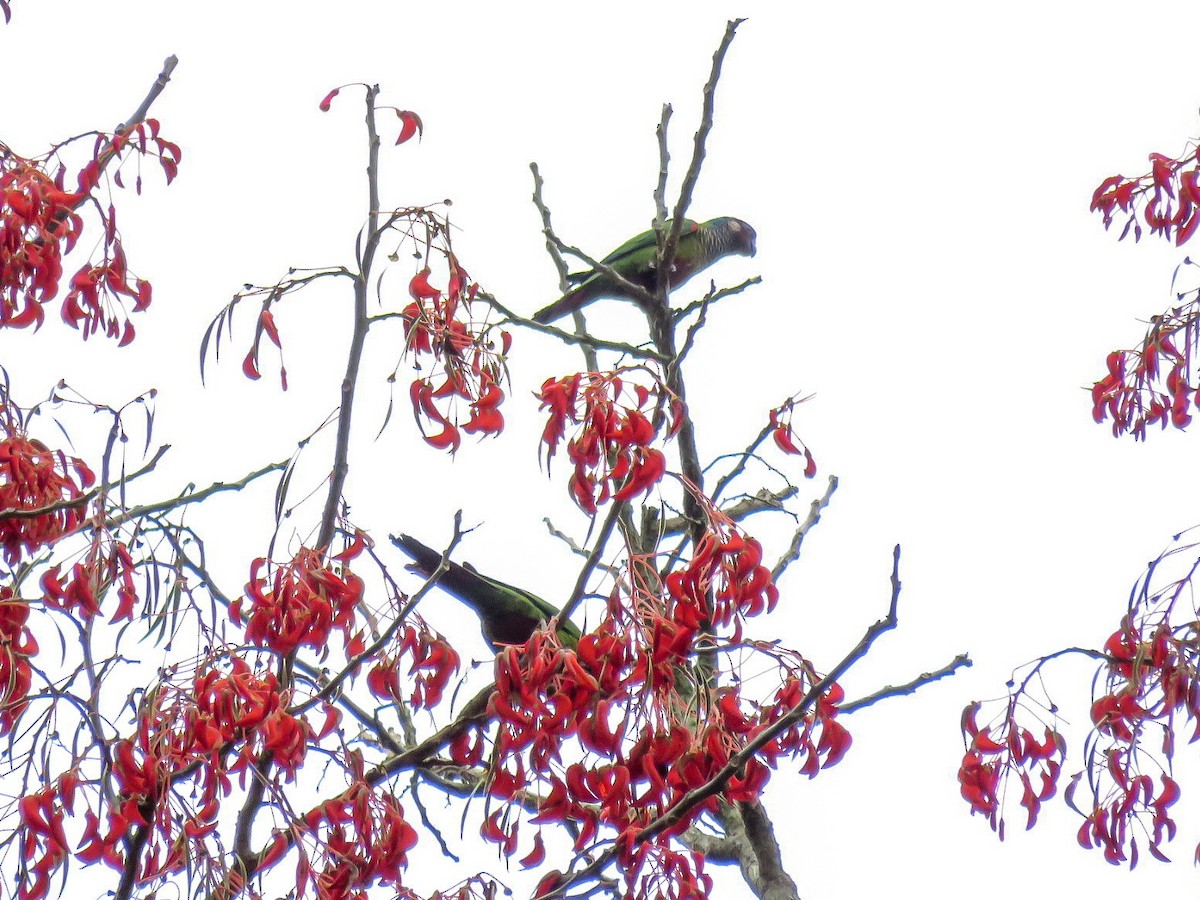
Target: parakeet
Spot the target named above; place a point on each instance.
(507, 614)
(700, 245)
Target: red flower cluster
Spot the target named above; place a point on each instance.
(1152, 385)
(432, 657)
(785, 438)
(466, 365)
(1148, 689)
(44, 845)
(106, 564)
(363, 837)
(726, 567)
(1151, 680)
(1169, 196)
(648, 726)
(657, 870)
(1108, 825)
(298, 604)
(611, 448)
(34, 477)
(220, 725)
(244, 708)
(17, 647)
(39, 226)
(1001, 749)
(818, 738)
(92, 303)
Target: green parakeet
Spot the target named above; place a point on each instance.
(700, 245)
(507, 614)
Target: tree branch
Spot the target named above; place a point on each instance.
(139, 114)
(814, 516)
(583, 338)
(341, 464)
(195, 496)
(962, 661)
(762, 501)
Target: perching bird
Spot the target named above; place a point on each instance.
(700, 245)
(507, 614)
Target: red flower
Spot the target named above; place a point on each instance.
(785, 438)
(467, 366)
(298, 604)
(34, 477)
(1168, 197)
(39, 226)
(17, 647)
(611, 448)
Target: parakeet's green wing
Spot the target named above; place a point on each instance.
(546, 608)
(639, 244)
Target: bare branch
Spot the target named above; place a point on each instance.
(587, 347)
(701, 139)
(139, 114)
(592, 560)
(798, 536)
(761, 861)
(961, 661)
(740, 466)
(666, 254)
(195, 496)
(664, 162)
(560, 264)
(713, 296)
(341, 464)
(763, 501)
(587, 340)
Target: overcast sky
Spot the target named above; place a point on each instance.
(918, 174)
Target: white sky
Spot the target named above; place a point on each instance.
(918, 175)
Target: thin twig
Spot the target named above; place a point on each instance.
(560, 264)
(664, 161)
(762, 501)
(587, 340)
(590, 563)
(706, 123)
(714, 296)
(961, 661)
(195, 496)
(814, 516)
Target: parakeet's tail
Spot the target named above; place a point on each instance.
(564, 305)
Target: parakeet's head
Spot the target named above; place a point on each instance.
(740, 235)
